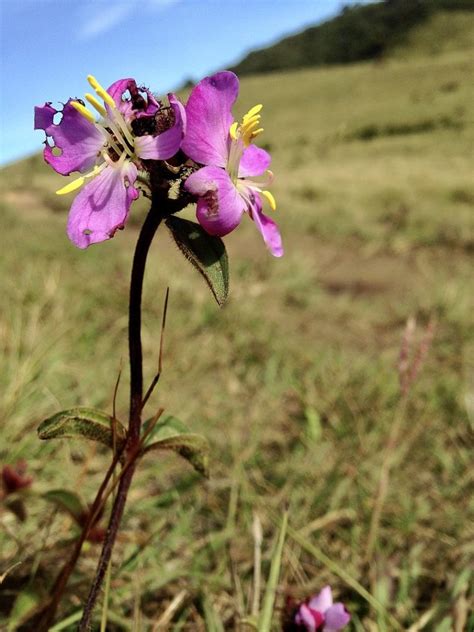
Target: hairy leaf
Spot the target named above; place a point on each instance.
(171, 434)
(86, 423)
(206, 252)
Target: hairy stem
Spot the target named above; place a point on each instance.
(114, 524)
(147, 233)
(145, 238)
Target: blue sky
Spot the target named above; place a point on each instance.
(49, 46)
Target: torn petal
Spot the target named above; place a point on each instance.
(141, 102)
(78, 140)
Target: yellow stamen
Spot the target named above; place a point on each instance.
(271, 199)
(72, 186)
(257, 132)
(83, 110)
(233, 130)
(248, 127)
(255, 110)
(76, 184)
(95, 104)
(252, 119)
(100, 90)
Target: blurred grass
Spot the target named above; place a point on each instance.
(294, 382)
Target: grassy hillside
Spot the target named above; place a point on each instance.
(370, 31)
(294, 382)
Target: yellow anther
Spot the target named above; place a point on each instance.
(251, 120)
(257, 132)
(100, 90)
(72, 186)
(233, 130)
(94, 84)
(255, 110)
(98, 106)
(83, 110)
(271, 199)
(248, 127)
(103, 94)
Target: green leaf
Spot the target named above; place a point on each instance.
(87, 423)
(171, 434)
(67, 501)
(206, 252)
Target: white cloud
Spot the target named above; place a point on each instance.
(106, 16)
(104, 19)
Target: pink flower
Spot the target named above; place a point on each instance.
(107, 153)
(320, 613)
(235, 174)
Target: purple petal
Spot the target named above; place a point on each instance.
(304, 617)
(272, 238)
(220, 207)
(336, 617)
(138, 105)
(209, 117)
(78, 139)
(102, 206)
(322, 601)
(164, 145)
(254, 162)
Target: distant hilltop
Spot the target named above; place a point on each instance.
(360, 32)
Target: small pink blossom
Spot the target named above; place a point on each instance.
(321, 614)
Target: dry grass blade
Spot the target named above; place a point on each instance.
(170, 611)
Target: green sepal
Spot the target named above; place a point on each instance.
(86, 423)
(171, 434)
(206, 252)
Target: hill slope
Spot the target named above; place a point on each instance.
(365, 32)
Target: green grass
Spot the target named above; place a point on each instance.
(294, 382)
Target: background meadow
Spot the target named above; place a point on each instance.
(294, 382)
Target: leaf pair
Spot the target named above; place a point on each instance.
(168, 434)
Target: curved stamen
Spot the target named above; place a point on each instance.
(271, 199)
(78, 182)
(98, 106)
(87, 114)
(117, 115)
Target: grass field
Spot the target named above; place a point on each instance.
(294, 381)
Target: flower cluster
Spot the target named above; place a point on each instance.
(225, 173)
(319, 614)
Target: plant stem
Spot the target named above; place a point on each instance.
(47, 615)
(114, 524)
(149, 228)
(147, 233)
